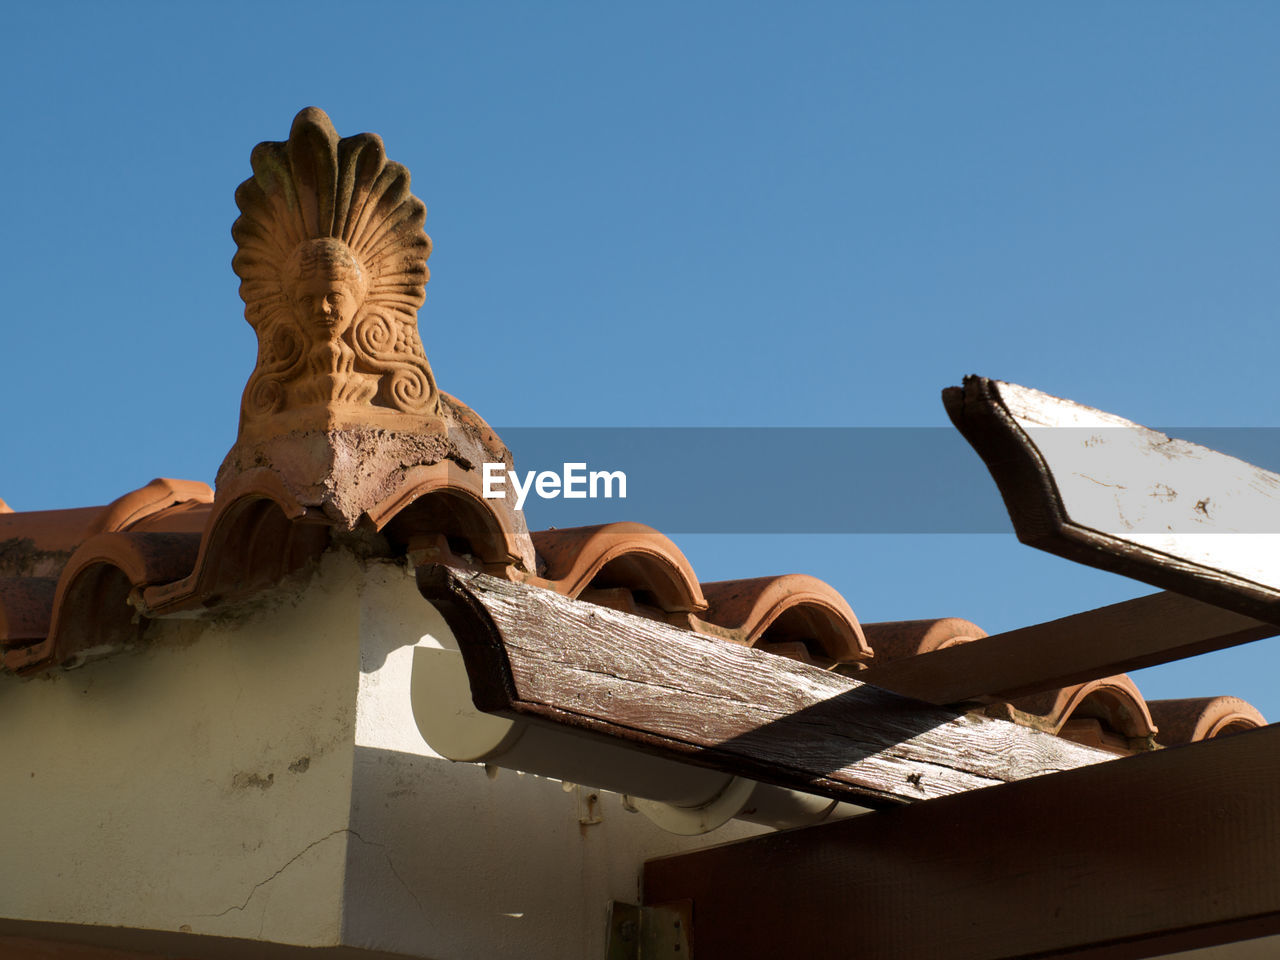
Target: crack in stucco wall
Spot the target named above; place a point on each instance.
(287, 864)
(381, 847)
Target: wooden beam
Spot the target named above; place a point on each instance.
(1098, 643)
(1157, 852)
(533, 653)
(1110, 493)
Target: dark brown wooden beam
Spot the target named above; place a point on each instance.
(533, 653)
(1098, 643)
(1103, 491)
(1154, 853)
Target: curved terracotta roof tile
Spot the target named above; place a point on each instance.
(1108, 713)
(172, 545)
(190, 516)
(898, 639)
(441, 501)
(1202, 718)
(145, 558)
(260, 483)
(159, 495)
(91, 605)
(249, 544)
(38, 543)
(26, 607)
(793, 615)
(619, 556)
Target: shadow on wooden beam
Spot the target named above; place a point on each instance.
(532, 653)
(1158, 852)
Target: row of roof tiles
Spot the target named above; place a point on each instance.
(83, 581)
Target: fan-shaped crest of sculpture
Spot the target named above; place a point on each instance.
(332, 261)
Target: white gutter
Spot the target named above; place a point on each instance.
(679, 797)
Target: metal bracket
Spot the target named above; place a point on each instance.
(649, 933)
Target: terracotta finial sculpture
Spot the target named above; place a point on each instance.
(341, 423)
(332, 261)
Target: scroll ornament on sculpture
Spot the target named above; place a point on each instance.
(332, 261)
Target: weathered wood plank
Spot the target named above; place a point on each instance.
(534, 653)
(1154, 853)
(1097, 643)
(1101, 490)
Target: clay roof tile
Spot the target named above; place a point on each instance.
(629, 556)
(1108, 712)
(794, 614)
(1202, 718)
(899, 639)
(69, 574)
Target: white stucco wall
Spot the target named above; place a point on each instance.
(199, 782)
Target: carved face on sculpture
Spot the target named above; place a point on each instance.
(325, 285)
(332, 263)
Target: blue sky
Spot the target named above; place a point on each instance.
(672, 215)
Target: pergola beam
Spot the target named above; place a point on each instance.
(532, 653)
(1158, 852)
(1084, 646)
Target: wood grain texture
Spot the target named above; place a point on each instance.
(1103, 491)
(533, 653)
(1154, 853)
(1085, 646)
